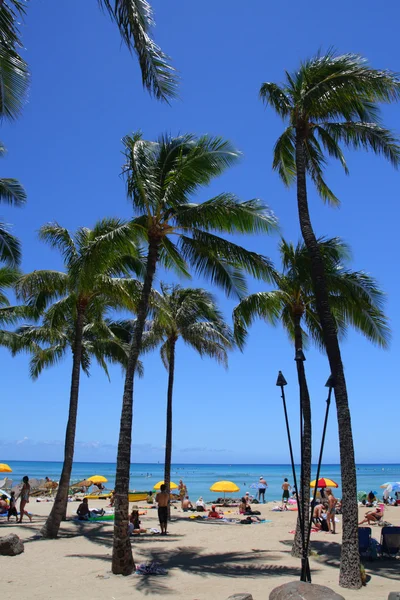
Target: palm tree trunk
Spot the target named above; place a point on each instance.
(59, 508)
(350, 558)
(297, 549)
(168, 436)
(122, 559)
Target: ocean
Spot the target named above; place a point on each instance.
(198, 478)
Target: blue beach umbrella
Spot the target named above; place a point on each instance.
(255, 486)
(394, 487)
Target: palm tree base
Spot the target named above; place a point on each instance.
(122, 558)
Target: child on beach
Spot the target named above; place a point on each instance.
(162, 500)
(12, 510)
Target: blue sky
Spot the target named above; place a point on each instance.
(85, 96)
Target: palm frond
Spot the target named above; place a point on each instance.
(369, 136)
(14, 73)
(265, 305)
(284, 156)
(45, 358)
(59, 238)
(134, 19)
(225, 213)
(10, 247)
(171, 258)
(273, 95)
(11, 191)
(315, 162)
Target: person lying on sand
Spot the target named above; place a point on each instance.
(372, 516)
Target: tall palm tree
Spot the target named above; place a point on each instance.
(331, 100)
(161, 178)
(74, 303)
(135, 19)
(14, 73)
(192, 315)
(355, 300)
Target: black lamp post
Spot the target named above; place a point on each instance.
(281, 382)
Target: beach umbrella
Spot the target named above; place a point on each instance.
(172, 485)
(97, 479)
(394, 487)
(224, 487)
(361, 495)
(324, 482)
(256, 486)
(5, 468)
(390, 483)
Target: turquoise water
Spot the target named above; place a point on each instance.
(199, 478)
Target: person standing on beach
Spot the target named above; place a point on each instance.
(182, 490)
(286, 487)
(162, 500)
(24, 495)
(331, 510)
(262, 486)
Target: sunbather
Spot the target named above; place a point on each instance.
(372, 516)
(186, 504)
(3, 505)
(213, 513)
(12, 509)
(200, 505)
(134, 523)
(83, 511)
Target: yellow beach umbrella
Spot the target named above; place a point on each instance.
(97, 479)
(172, 485)
(224, 487)
(5, 468)
(324, 482)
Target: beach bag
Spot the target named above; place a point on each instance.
(246, 521)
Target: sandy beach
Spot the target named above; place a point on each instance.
(203, 560)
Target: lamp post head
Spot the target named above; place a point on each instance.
(281, 381)
(331, 382)
(299, 355)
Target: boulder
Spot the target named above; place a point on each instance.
(241, 597)
(298, 590)
(11, 545)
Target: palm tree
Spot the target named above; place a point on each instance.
(355, 300)
(135, 19)
(14, 73)
(331, 100)
(192, 315)
(161, 177)
(74, 303)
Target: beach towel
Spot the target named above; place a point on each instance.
(153, 568)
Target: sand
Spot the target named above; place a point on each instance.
(204, 561)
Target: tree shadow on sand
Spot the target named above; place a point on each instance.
(195, 561)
